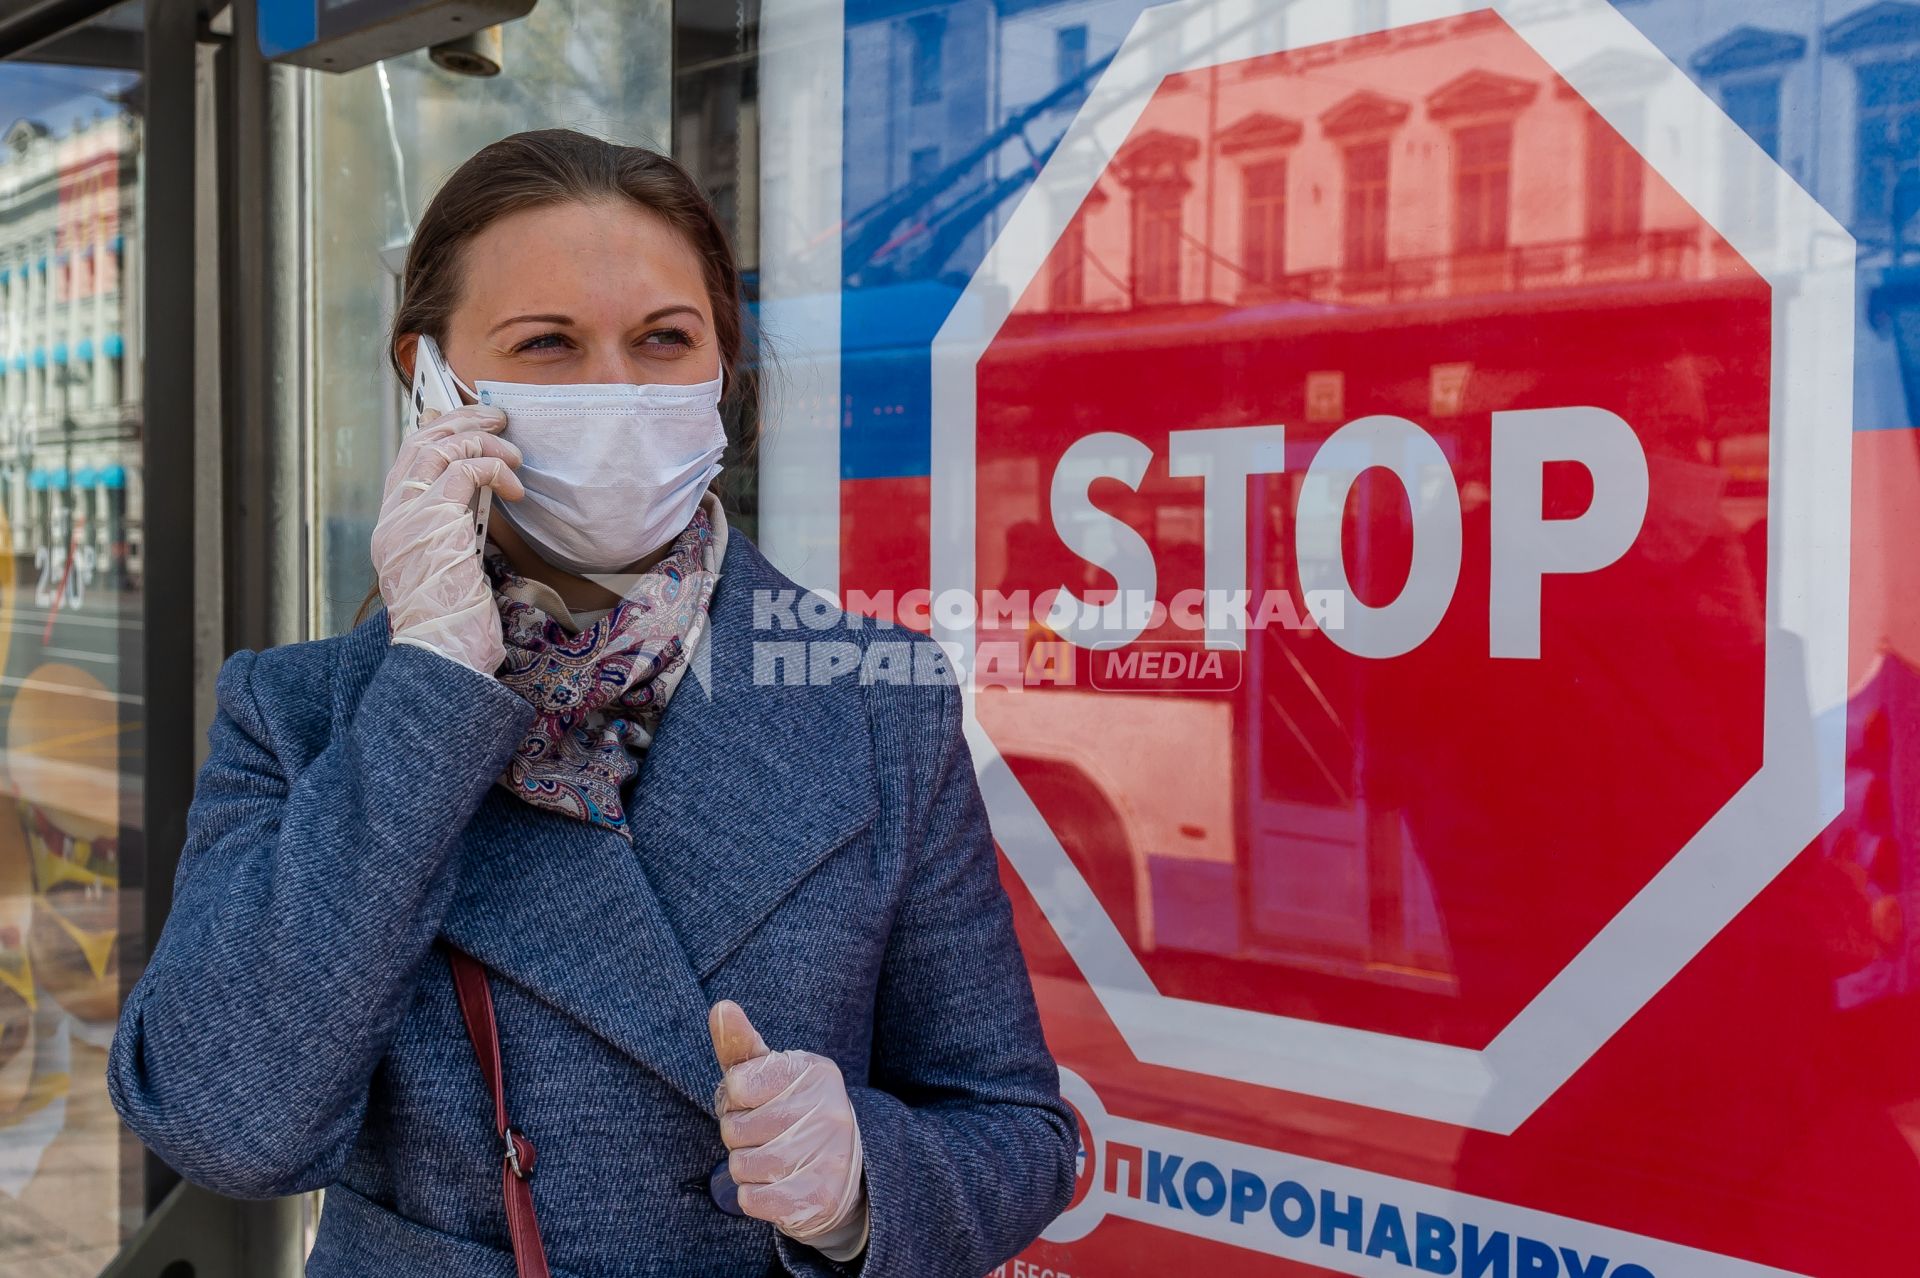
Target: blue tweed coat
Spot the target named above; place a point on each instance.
(818, 853)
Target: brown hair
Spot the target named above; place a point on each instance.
(557, 166)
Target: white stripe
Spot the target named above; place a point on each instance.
(801, 88)
(1257, 1232)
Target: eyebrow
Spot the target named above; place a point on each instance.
(663, 312)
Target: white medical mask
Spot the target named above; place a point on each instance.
(612, 472)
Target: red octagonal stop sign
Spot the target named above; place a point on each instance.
(1525, 701)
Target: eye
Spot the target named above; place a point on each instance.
(543, 342)
(672, 336)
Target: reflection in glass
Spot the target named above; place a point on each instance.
(395, 129)
(1423, 222)
(71, 277)
(1260, 201)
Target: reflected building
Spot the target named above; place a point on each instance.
(922, 79)
(69, 395)
(1790, 75)
(1283, 184)
(920, 88)
(1785, 72)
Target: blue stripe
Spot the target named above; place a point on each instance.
(286, 25)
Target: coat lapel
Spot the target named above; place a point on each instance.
(562, 908)
(750, 784)
(746, 789)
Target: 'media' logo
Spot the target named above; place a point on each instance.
(1163, 667)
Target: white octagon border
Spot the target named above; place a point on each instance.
(1808, 260)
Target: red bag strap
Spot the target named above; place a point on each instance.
(517, 1154)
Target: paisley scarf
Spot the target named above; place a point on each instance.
(599, 693)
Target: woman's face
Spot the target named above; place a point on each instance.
(583, 293)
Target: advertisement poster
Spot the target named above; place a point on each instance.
(1424, 495)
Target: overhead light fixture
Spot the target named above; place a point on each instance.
(339, 35)
(478, 53)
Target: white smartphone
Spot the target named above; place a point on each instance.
(434, 387)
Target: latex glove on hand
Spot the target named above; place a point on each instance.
(436, 592)
(795, 1143)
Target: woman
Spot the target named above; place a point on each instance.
(799, 864)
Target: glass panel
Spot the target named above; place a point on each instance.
(1070, 52)
(1264, 222)
(71, 249)
(384, 138)
(716, 136)
(1615, 177)
(1366, 213)
(1528, 883)
(1483, 158)
(1156, 239)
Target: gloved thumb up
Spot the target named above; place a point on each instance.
(793, 1139)
(735, 1040)
(752, 1074)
